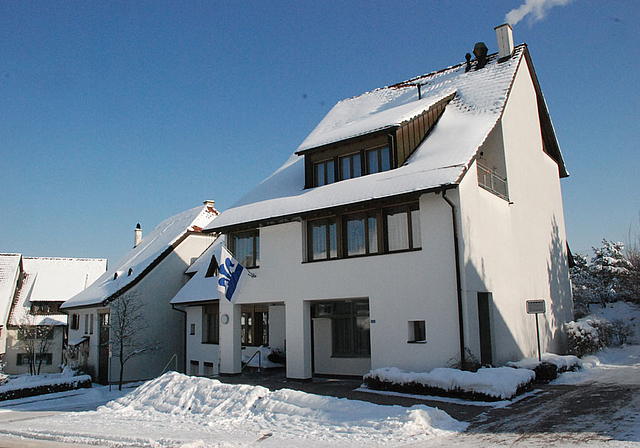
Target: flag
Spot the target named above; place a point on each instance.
(232, 276)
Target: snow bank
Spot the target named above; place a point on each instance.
(281, 414)
(501, 382)
(32, 381)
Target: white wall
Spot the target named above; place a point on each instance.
(399, 287)
(516, 249)
(196, 350)
(14, 347)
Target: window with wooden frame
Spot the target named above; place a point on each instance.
(377, 160)
(350, 166)
(322, 239)
(246, 248)
(368, 232)
(402, 228)
(324, 173)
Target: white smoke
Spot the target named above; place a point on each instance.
(538, 9)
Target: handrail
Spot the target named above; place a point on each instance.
(259, 353)
(175, 355)
(490, 180)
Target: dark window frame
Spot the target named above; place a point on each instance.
(330, 252)
(211, 324)
(254, 234)
(350, 326)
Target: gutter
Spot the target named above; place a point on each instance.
(456, 248)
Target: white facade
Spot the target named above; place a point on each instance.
(428, 306)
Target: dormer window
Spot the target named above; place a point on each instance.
(350, 166)
(324, 173)
(378, 159)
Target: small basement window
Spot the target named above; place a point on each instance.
(417, 332)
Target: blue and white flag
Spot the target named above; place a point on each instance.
(232, 276)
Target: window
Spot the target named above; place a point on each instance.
(208, 369)
(350, 166)
(370, 232)
(210, 327)
(75, 321)
(194, 368)
(350, 327)
(417, 331)
(246, 248)
(361, 234)
(45, 308)
(35, 332)
(378, 160)
(323, 239)
(86, 324)
(192, 330)
(324, 173)
(26, 359)
(91, 324)
(402, 227)
(254, 324)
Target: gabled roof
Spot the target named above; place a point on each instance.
(140, 260)
(440, 160)
(50, 279)
(9, 272)
(201, 288)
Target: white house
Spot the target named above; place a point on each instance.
(32, 289)
(409, 229)
(151, 273)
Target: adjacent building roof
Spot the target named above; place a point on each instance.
(201, 288)
(49, 279)
(141, 259)
(441, 159)
(9, 272)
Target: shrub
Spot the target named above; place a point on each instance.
(620, 331)
(545, 372)
(588, 335)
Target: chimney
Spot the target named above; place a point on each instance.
(504, 33)
(137, 236)
(210, 203)
(480, 51)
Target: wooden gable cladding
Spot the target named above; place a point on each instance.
(412, 132)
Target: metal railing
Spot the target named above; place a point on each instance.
(490, 180)
(259, 353)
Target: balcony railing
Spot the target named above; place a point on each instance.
(492, 181)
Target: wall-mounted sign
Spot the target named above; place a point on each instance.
(536, 307)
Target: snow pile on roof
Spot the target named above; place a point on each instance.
(201, 288)
(240, 414)
(50, 279)
(9, 271)
(152, 246)
(500, 382)
(480, 97)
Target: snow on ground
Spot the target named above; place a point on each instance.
(15, 382)
(180, 411)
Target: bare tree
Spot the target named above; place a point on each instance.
(36, 341)
(128, 328)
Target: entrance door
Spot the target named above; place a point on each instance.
(103, 348)
(484, 325)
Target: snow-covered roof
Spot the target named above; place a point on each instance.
(48, 279)
(9, 271)
(201, 288)
(441, 159)
(136, 262)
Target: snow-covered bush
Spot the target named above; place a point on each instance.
(588, 335)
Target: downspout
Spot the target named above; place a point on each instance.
(184, 335)
(456, 249)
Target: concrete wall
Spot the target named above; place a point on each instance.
(516, 248)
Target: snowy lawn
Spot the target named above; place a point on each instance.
(29, 385)
(177, 410)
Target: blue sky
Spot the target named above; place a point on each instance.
(114, 113)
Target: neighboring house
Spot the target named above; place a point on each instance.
(409, 229)
(35, 288)
(152, 272)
